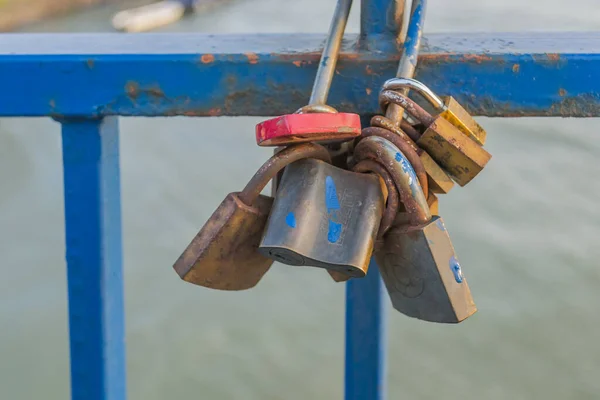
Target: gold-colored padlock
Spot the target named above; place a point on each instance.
(461, 157)
(417, 261)
(324, 216)
(223, 255)
(447, 107)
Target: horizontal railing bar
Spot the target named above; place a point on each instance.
(93, 75)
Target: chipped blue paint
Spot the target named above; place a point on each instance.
(456, 270)
(331, 199)
(332, 203)
(533, 74)
(290, 220)
(335, 231)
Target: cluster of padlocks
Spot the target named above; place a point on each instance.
(342, 194)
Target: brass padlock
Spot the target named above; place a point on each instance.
(461, 157)
(224, 255)
(324, 216)
(448, 107)
(417, 261)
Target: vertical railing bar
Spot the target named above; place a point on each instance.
(94, 258)
(366, 337)
(380, 17)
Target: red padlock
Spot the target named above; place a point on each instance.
(311, 127)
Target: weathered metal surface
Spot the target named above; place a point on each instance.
(447, 107)
(90, 151)
(314, 127)
(462, 158)
(223, 255)
(538, 74)
(385, 152)
(422, 274)
(325, 217)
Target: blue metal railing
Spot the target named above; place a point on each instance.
(85, 80)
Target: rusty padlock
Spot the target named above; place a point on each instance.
(324, 216)
(447, 107)
(316, 122)
(417, 261)
(224, 255)
(431, 176)
(461, 157)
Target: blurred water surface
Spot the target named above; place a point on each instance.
(526, 231)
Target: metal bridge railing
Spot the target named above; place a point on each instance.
(84, 81)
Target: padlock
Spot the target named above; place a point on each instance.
(224, 255)
(391, 209)
(431, 176)
(324, 216)
(316, 122)
(461, 157)
(447, 107)
(417, 261)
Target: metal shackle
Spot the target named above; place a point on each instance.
(331, 51)
(409, 149)
(411, 193)
(413, 109)
(278, 162)
(419, 87)
(393, 201)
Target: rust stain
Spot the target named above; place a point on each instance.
(369, 91)
(155, 92)
(213, 112)
(477, 58)
(252, 58)
(349, 56)
(297, 63)
(90, 63)
(553, 56)
(562, 92)
(207, 58)
(516, 68)
(132, 89)
(368, 70)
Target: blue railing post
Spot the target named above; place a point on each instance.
(94, 258)
(366, 338)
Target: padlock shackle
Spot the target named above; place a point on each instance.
(413, 109)
(408, 83)
(405, 129)
(276, 163)
(411, 193)
(331, 52)
(409, 149)
(393, 200)
(316, 108)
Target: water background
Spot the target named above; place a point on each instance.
(527, 232)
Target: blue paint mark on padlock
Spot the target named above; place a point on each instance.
(332, 204)
(331, 199)
(455, 267)
(290, 219)
(335, 231)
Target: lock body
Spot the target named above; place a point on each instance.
(223, 255)
(439, 181)
(324, 217)
(461, 119)
(456, 153)
(313, 127)
(423, 277)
